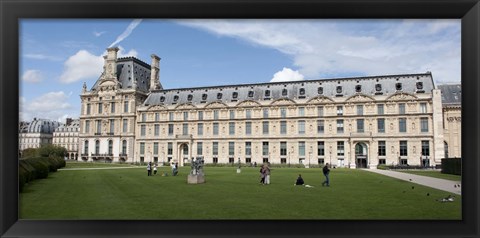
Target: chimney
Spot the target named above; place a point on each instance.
(155, 73)
(69, 121)
(111, 63)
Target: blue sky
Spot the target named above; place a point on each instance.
(57, 56)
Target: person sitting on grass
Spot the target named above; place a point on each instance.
(299, 180)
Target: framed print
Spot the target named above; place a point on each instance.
(226, 105)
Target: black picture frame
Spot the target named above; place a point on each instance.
(11, 11)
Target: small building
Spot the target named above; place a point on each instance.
(66, 136)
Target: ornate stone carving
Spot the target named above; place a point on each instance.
(401, 96)
(359, 98)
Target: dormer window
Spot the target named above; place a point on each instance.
(189, 97)
(219, 96)
(358, 88)
(267, 93)
(235, 95)
(378, 87)
(320, 90)
(204, 96)
(398, 86)
(175, 98)
(419, 85)
(302, 91)
(284, 92)
(339, 89)
(162, 99)
(250, 94)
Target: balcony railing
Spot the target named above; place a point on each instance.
(122, 154)
(101, 155)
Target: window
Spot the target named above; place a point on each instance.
(320, 127)
(284, 92)
(380, 109)
(301, 148)
(170, 116)
(419, 85)
(125, 106)
(189, 97)
(248, 113)
(97, 147)
(340, 148)
(232, 114)
(185, 116)
(401, 108)
(265, 151)
(381, 125)
(124, 147)
(320, 90)
(283, 112)
(424, 124)
(219, 96)
(155, 148)
(339, 89)
(215, 148)
(99, 126)
(215, 114)
(339, 126)
(100, 108)
(200, 129)
(87, 126)
(250, 94)
(88, 108)
(398, 86)
(320, 111)
(283, 148)
(185, 128)
(301, 111)
(403, 148)
(110, 147)
(234, 95)
(85, 147)
(144, 117)
(382, 148)
(425, 148)
(170, 148)
(142, 130)
(302, 91)
(320, 148)
(339, 110)
(358, 88)
(265, 127)
(248, 128)
(125, 125)
(402, 124)
(157, 116)
(156, 129)
(360, 126)
(301, 127)
(199, 148)
(200, 115)
(112, 126)
(231, 148)
(359, 109)
(267, 93)
(283, 127)
(162, 99)
(170, 129)
(423, 107)
(215, 128)
(112, 107)
(378, 87)
(204, 97)
(248, 148)
(231, 128)
(265, 113)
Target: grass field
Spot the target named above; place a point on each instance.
(128, 193)
(433, 173)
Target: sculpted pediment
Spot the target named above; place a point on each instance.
(401, 96)
(215, 105)
(360, 98)
(320, 99)
(185, 106)
(156, 107)
(283, 101)
(248, 103)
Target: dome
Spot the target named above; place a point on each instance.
(42, 126)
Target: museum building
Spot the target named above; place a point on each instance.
(357, 122)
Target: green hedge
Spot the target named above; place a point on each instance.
(452, 166)
(33, 168)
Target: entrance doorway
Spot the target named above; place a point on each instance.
(183, 155)
(361, 152)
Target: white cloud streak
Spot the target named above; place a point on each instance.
(127, 32)
(287, 74)
(327, 48)
(32, 76)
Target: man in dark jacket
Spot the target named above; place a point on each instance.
(299, 180)
(326, 172)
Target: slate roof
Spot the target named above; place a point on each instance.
(41, 126)
(73, 127)
(130, 69)
(451, 94)
(294, 89)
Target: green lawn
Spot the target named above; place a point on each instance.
(130, 194)
(433, 173)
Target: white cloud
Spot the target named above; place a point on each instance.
(32, 76)
(42, 57)
(327, 48)
(52, 105)
(83, 65)
(287, 75)
(127, 32)
(98, 34)
(121, 52)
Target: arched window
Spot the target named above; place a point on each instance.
(110, 147)
(97, 147)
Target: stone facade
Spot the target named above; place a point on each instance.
(349, 122)
(452, 119)
(36, 133)
(67, 136)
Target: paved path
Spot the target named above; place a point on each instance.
(441, 184)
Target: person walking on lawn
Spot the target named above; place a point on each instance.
(326, 173)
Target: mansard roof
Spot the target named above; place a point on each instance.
(451, 93)
(41, 126)
(72, 127)
(294, 90)
(129, 70)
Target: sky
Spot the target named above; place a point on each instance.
(58, 56)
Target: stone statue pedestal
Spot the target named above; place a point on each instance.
(196, 178)
(239, 171)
